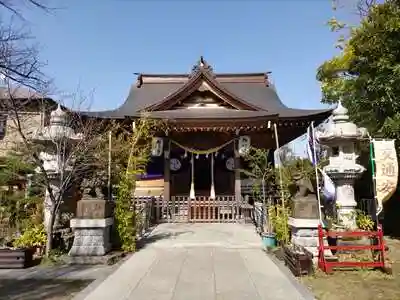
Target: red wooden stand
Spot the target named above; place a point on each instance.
(378, 248)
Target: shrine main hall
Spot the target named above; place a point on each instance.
(211, 119)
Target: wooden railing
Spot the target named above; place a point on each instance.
(222, 209)
(202, 209)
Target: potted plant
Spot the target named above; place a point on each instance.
(33, 238)
(261, 172)
(268, 235)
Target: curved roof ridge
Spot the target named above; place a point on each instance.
(246, 91)
(201, 71)
(227, 74)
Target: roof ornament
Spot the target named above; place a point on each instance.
(266, 78)
(139, 80)
(201, 66)
(202, 62)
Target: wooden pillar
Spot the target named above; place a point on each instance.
(163, 206)
(238, 188)
(167, 172)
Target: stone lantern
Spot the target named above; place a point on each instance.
(57, 138)
(343, 137)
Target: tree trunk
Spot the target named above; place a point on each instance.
(49, 232)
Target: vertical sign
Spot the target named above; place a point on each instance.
(386, 169)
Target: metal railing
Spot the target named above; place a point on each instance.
(260, 216)
(144, 211)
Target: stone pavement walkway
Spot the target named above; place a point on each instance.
(199, 262)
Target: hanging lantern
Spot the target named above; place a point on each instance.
(244, 145)
(197, 156)
(185, 155)
(157, 146)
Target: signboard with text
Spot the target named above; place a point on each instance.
(386, 169)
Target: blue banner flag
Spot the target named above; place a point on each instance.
(311, 144)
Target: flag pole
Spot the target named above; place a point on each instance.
(109, 165)
(377, 207)
(279, 168)
(281, 179)
(316, 172)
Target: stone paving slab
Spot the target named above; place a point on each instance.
(199, 262)
(225, 235)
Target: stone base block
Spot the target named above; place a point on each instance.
(91, 237)
(110, 258)
(305, 241)
(305, 234)
(80, 250)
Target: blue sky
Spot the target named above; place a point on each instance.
(95, 46)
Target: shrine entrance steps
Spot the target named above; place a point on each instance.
(182, 261)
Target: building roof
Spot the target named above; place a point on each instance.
(19, 93)
(250, 95)
(25, 98)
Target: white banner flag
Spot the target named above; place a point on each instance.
(328, 189)
(386, 169)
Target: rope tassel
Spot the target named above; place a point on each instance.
(192, 193)
(212, 191)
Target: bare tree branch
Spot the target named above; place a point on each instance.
(12, 6)
(19, 56)
(363, 7)
(76, 156)
(18, 61)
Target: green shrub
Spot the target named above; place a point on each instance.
(125, 215)
(364, 222)
(279, 216)
(34, 236)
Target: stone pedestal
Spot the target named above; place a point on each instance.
(91, 237)
(305, 234)
(94, 209)
(346, 204)
(305, 220)
(305, 207)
